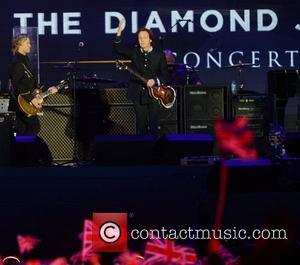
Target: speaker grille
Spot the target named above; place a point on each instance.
(57, 131)
(202, 106)
(204, 103)
(119, 120)
(114, 96)
(63, 97)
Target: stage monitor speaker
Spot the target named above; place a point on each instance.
(171, 148)
(204, 103)
(31, 151)
(123, 149)
(246, 176)
(57, 131)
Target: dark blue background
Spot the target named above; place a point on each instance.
(98, 45)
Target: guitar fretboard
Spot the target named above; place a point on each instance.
(47, 93)
(136, 74)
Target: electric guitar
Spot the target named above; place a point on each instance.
(28, 108)
(165, 95)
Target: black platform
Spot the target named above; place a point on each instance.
(51, 203)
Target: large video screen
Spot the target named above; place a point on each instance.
(206, 35)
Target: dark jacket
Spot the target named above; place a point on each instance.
(22, 76)
(151, 65)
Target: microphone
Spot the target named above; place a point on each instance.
(80, 44)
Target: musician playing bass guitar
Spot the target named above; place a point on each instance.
(24, 82)
(150, 62)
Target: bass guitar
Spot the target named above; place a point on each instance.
(165, 95)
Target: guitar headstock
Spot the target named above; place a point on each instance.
(63, 84)
(121, 66)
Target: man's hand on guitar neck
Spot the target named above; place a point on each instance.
(37, 101)
(53, 89)
(150, 83)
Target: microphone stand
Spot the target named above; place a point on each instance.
(161, 42)
(218, 46)
(73, 74)
(180, 20)
(182, 123)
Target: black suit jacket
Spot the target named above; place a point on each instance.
(151, 65)
(22, 76)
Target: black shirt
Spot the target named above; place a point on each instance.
(22, 76)
(151, 65)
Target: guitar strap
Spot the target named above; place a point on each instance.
(28, 72)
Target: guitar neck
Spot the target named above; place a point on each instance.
(137, 75)
(45, 94)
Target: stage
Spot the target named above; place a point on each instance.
(52, 202)
(220, 150)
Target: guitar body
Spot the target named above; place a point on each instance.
(31, 110)
(166, 95)
(26, 106)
